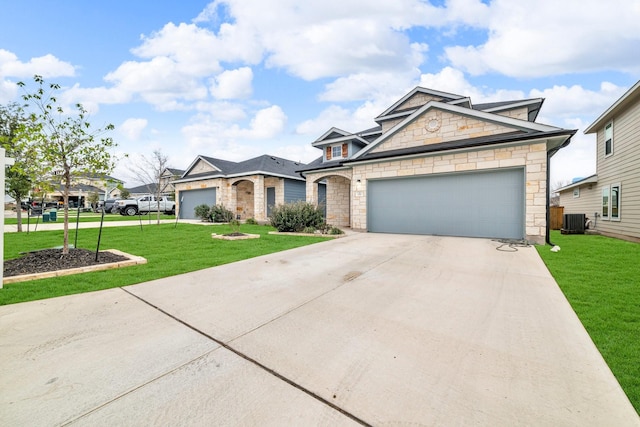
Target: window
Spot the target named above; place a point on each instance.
(615, 202)
(608, 139)
(605, 203)
(576, 193)
(340, 151)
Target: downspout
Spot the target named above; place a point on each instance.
(547, 238)
(550, 154)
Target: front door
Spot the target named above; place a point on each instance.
(271, 199)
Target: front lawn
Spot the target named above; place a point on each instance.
(600, 276)
(86, 217)
(169, 250)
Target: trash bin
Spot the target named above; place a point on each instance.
(53, 215)
(45, 217)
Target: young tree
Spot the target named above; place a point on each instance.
(66, 144)
(149, 171)
(124, 193)
(21, 176)
(94, 199)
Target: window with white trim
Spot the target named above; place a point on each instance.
(614, 210)
(605, 203)
(608, 139)
(336, 151)
(576, 192)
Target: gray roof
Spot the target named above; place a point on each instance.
(449, 145)
(265, 164)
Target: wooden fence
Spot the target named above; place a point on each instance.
(555, 217)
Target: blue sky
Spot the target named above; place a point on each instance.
(239, 78)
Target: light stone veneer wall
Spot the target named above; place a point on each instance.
(233, 193)
(532, 157)
(339, 189)
(452, 127)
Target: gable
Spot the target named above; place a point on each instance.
(201, 167)
(417, 100)
(436, 126)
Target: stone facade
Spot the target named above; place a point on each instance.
(450, 127)
(338, 195)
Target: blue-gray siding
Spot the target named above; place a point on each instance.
(294, 191)
(475, 204)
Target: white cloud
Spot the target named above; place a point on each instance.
(563, 101)
(554, 37)
(45, 66)
(266, 124)
(132, 128)
(233, 84)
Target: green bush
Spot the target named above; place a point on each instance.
(220, 214)
(335, 230)
(295, 217)
(309, 230)
(251, 221)
(203, 212)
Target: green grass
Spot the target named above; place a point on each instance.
(169, 251)
(86, 217)
(600, 276)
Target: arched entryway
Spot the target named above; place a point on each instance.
(337, 198)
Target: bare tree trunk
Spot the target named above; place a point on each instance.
(65, 196)
(19, 214)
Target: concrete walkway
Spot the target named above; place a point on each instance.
(370, 329)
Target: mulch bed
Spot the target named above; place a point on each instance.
(53, 260)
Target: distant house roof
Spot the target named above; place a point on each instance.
(144, 188)
(588, 180)
(102, 176)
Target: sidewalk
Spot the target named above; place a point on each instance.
(36, 224)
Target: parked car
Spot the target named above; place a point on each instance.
(108, 205)
(146, 204)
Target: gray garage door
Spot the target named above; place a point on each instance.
(475, 204)
(189, 199)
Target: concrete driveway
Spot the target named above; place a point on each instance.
(369, 329)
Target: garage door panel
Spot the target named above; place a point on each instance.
(189, 199)
(477, 204)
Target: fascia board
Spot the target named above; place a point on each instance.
(480, 115)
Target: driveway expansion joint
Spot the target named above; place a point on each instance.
(253, 361)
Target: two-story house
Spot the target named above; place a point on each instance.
(438, 164)
(611, 197)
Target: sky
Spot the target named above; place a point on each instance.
(234, 79)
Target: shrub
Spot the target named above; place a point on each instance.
(309, 230)
(335, 230)
(251, 221)
(295, 217)
(203, 212)
(219, 213)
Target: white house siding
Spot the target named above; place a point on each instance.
(622, 167)
(587, 203)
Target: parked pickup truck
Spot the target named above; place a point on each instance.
(145, 204)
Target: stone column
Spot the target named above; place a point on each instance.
(259, 199)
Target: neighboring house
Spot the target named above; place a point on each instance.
(167, 177)
(438, 164)
(249, 188)
(611, 197)
(166, 184)
(142, 190)
(106, 186)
